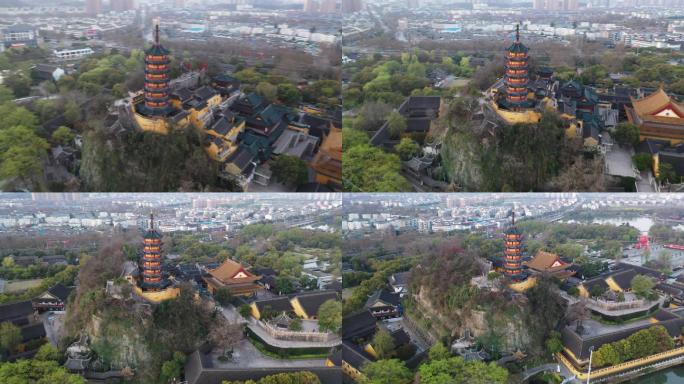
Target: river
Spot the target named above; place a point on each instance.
(674, 375)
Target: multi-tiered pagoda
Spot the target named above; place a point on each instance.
(513, 252)
(151, 273)
(517, 77)
(156, 80)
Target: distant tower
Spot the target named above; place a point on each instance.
(93, 7)
(151, 274)
(156, 79)
(517, 76)
(513, 251)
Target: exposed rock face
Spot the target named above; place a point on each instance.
(461, 160)
(507, 324)
(119, 340)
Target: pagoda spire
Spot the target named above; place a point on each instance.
(156, 34)
(517, 33)
(151, 221)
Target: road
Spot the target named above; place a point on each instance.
(551, 367)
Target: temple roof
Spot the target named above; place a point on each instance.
(233, 272)
(547, 261)
(518, 47)
(311, 302)
(656, 102)
(157, 49)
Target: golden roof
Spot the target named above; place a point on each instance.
(654, 103)
(232, 272)
(547, 261)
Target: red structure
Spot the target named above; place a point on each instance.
(156, 79)
(516, 78)
(151, 273)
(513, 252)
(642, 243)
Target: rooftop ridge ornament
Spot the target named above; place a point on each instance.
(156, 34)
(517, 33)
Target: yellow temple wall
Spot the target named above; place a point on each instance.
(512, 117)
(656, 165)
(157, 125)
(255, 311)
(299, 310)
(583, 291)
(352, 372)
(524, 285)
(613, 285)
(158, 296)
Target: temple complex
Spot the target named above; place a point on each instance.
(232, 275)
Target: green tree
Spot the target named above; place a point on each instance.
(223, 296)
(396, 123)
(172, 370)
(72, 112)
(48, 352)
(290, 170)
(245, 311)
(407, 148)
(439, 352)
(289, 94)
(63, 135)
(626, 133)
(303, 377)
(667, 173)
(11, 116)
(390, 371)
(37, 372)
(643, 161)
(330, 316)
(554, 343)
(457, 370)
(370, 169)
(642, 286)
(267, 90)
(284, 285)
(10, 336)
(352, 137)
(5, 94)
(383, 344)
(7, 262)
(20, 85)
(21, 157)
(296, 324)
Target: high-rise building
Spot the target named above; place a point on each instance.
(121, 5)
(351, 6)
(93, 7)
(516, 77)
(179, 3)
(328, 6)
(156, 79)
(513, 251)
(151, 268)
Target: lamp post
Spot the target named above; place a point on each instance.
(591, 354)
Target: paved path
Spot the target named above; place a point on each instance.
(551, 367)
(245, 355)
(54, 325)
(265, 336)
(231, 314)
